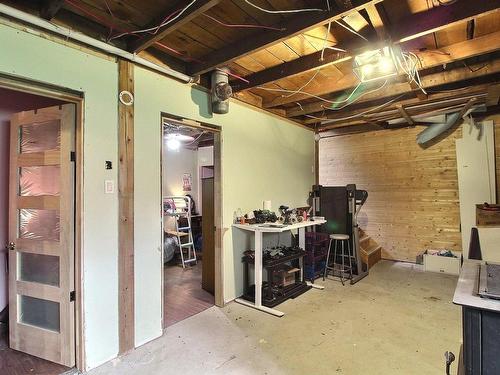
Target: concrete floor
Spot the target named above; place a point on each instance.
(399, 320)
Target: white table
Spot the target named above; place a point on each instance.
(259, 230)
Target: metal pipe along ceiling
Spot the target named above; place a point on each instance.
(82, 38)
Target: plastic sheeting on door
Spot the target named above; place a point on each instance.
(39, 224)
(37, 137)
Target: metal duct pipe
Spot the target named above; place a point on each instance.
(452, 119)
(221, 91)
(82, 38)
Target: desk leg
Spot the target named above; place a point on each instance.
(258, 269)
(302, 245)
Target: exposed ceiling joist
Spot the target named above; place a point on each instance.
(418, 110)
(188, 15)
(260, 40)
(459, 51)
(493, 98)
(297, 66)
(49, 8)
(430, 82)
(441, 17)
(378, 18)
(376, 109)
(405, 114)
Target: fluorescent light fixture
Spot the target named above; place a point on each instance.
(375, 65)
(174, 140)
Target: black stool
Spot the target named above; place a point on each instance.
(342, 267)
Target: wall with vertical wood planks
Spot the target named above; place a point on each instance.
(413, 202)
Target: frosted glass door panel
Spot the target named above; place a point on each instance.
(40, 137)
(39, 313)
(41, 229)
(39, 224)
(36, 181)
(39, 268)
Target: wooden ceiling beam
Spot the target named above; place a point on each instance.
(199, 7)
(432, 81)
(418, 108)
(405, 114)
(293, 26)
(297, 66)
(385, 31)
(428, 59)
(49, 8)
(493, 95)
(376, 108)
(441, 17)
(379, 20)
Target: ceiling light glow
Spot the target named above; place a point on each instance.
(374, 65)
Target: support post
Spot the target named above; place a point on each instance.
(126, 206)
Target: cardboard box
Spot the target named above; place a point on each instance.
(487, 218)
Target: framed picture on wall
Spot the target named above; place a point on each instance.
(187, 181)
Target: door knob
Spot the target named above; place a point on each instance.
(11, 246)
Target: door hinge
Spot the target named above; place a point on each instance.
(72, 156)
(72, 296)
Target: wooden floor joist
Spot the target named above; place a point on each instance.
(126, 209)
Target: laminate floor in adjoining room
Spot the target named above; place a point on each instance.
(398, 320)
(13, 362)
(183, 295)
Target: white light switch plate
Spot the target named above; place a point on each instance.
(109, 187)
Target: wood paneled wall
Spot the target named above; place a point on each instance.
(413, 202)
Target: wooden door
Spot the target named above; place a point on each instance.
(41, 234)
(208, 233)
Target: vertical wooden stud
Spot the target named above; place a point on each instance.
(126, 205)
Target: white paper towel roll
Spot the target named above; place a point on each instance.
(266, 205)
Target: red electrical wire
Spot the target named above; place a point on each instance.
(105, 22)
(248, 26)
(178, 53)
(233, 75)
(111, 25)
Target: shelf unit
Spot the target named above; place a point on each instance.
(258, 231)
(272, 295)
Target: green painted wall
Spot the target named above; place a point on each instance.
(27, 55)
(263, 158)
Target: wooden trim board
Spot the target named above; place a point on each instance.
(126, 298)
(218, 209)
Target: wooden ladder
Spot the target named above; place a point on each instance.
(371, 251)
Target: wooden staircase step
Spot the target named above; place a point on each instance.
(371, 255)
(372, 249)
(363, 239)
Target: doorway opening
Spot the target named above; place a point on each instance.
(191, 197)
(37, 228)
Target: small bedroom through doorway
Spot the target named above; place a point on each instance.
(188, 220)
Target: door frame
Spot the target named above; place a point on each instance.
(75, 97)
(219, 231)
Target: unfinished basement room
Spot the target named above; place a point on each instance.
(250, 187)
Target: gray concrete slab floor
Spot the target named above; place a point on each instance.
(399, 320)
